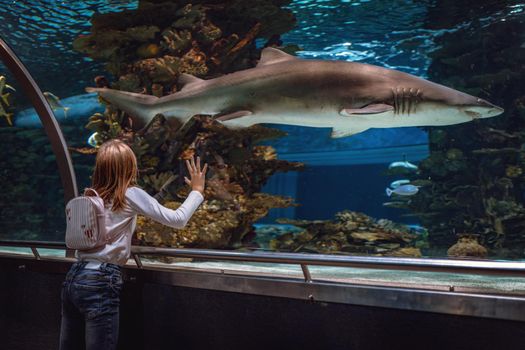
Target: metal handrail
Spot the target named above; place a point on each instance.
(482, 267)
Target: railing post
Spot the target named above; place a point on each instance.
(306, 273)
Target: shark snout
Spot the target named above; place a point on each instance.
(482, 109)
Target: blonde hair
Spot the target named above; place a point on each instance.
(115, 171)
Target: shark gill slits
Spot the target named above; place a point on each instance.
(410, 101)
(403, 101)
(399, 100)
(394, 98)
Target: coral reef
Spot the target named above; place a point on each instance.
(476, 169)
(349, 233)
(215, 224)
(146, 50)
(161, 39)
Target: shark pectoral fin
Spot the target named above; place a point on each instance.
(187, 79)
(271, 55)
(234, 115)
(370, 109)
(347, 131)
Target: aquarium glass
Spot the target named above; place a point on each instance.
(311, 149)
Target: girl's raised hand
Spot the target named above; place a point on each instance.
(197, 175)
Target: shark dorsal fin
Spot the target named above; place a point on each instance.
(187, 79)
(271, 55)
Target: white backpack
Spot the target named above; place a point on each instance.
(86, 222)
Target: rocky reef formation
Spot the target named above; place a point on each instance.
(475, 173)
(146, 50)
(467, 246)
(350, 233)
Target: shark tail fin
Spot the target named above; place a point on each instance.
(141, 106)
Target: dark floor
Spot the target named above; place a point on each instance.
(155, 316)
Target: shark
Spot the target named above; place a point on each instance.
(348, 97)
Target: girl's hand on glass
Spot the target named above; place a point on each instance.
(197, 175)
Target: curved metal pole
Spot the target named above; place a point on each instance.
(51, 126)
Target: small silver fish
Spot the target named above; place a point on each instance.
(404, 164)
(398, 183)
(55, 103)
(400, 205)
(405, 190)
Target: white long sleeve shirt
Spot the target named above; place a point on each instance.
(122, 223)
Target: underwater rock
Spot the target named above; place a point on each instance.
(215, 224)
(350, 232)
(176, 42)
(407, 252)
(475, 170)
(128, 82)
(467, 246)
(513, 171)
(148, 50)
(159, 29)
(162, 70)
(231, 192)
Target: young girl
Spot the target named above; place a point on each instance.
(90, 293)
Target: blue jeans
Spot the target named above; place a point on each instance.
(90, 307)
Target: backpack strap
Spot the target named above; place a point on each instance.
(88, 189)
